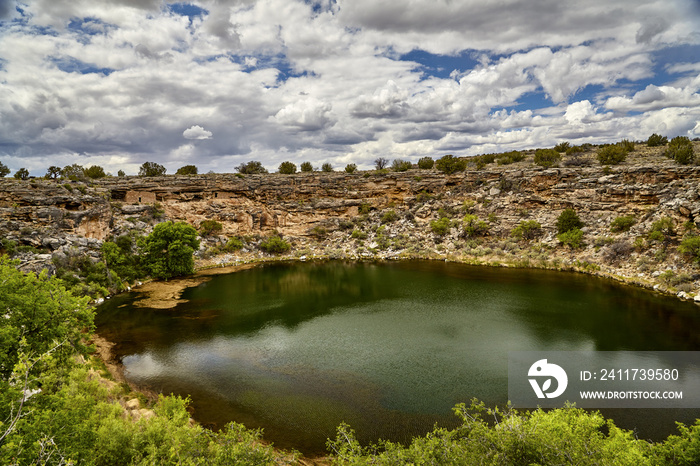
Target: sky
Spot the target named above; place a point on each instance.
(215, 83)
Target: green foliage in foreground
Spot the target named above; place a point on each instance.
(572, 238)
(493, 437)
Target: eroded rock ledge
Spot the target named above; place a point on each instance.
(317, 213)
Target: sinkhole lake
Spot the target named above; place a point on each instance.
(389, 348)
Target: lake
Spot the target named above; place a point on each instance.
(389, 348)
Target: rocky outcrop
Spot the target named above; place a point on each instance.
(319, 210)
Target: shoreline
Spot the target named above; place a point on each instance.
(170, 297)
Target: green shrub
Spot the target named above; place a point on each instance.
(612, 154)
(187, 170)
(389, 217)
(426, 163)
(572, 238)
(326, 167)
(657, 140)
(95, 172)
(449, 164)
(627, 145)
(358, 234)
(364, 208)
(251, 168)
(473, 226)
(623, 223)
(151, 169)
(440, 227)
(574, 150)
(210, 227)
(562, 147)
(568, 220)
(527, 229)
(399, 165)
(681, 150)
(275, 245)
(350, 168)
(690, 246)
(506, 158)
(287, 168)
(233, 244)
(22, 174)
(546, 157)
(662, 230)
(306, 167)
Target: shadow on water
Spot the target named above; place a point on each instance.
(388, 348)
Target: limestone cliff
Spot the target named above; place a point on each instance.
(317, 212)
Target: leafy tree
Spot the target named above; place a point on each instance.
(95, 172)
(121, 173)
(527, 229)
(306, 167)
(251, 168)
(73, 172)
(275, 245)
(426, 163)
(380, 163)
(187, 170)
(350, 168)
(657, 140)
(399, 165)
(152, 169)
(546, 157)
(167, 251)
(681, 150)
(120, 258)
(449, 164)
(327, 167)
(4, 171)
(38, 313)
(568, 220)
(287, 168)
(53, 172)
(612, 154)
(22, 174)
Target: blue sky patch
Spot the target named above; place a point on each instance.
(441, 66)
(73, 65)
(187, 9)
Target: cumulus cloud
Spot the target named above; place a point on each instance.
(308, 114)
(118, 80)
(196, 132)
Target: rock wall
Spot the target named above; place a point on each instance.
(56, 215)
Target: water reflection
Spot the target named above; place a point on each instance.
(388, 348)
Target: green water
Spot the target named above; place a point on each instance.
(389, 348)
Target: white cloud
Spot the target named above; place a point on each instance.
(273, 78)
(196, 132)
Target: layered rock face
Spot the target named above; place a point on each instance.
(57, 215)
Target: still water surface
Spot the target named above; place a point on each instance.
(388, 348)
